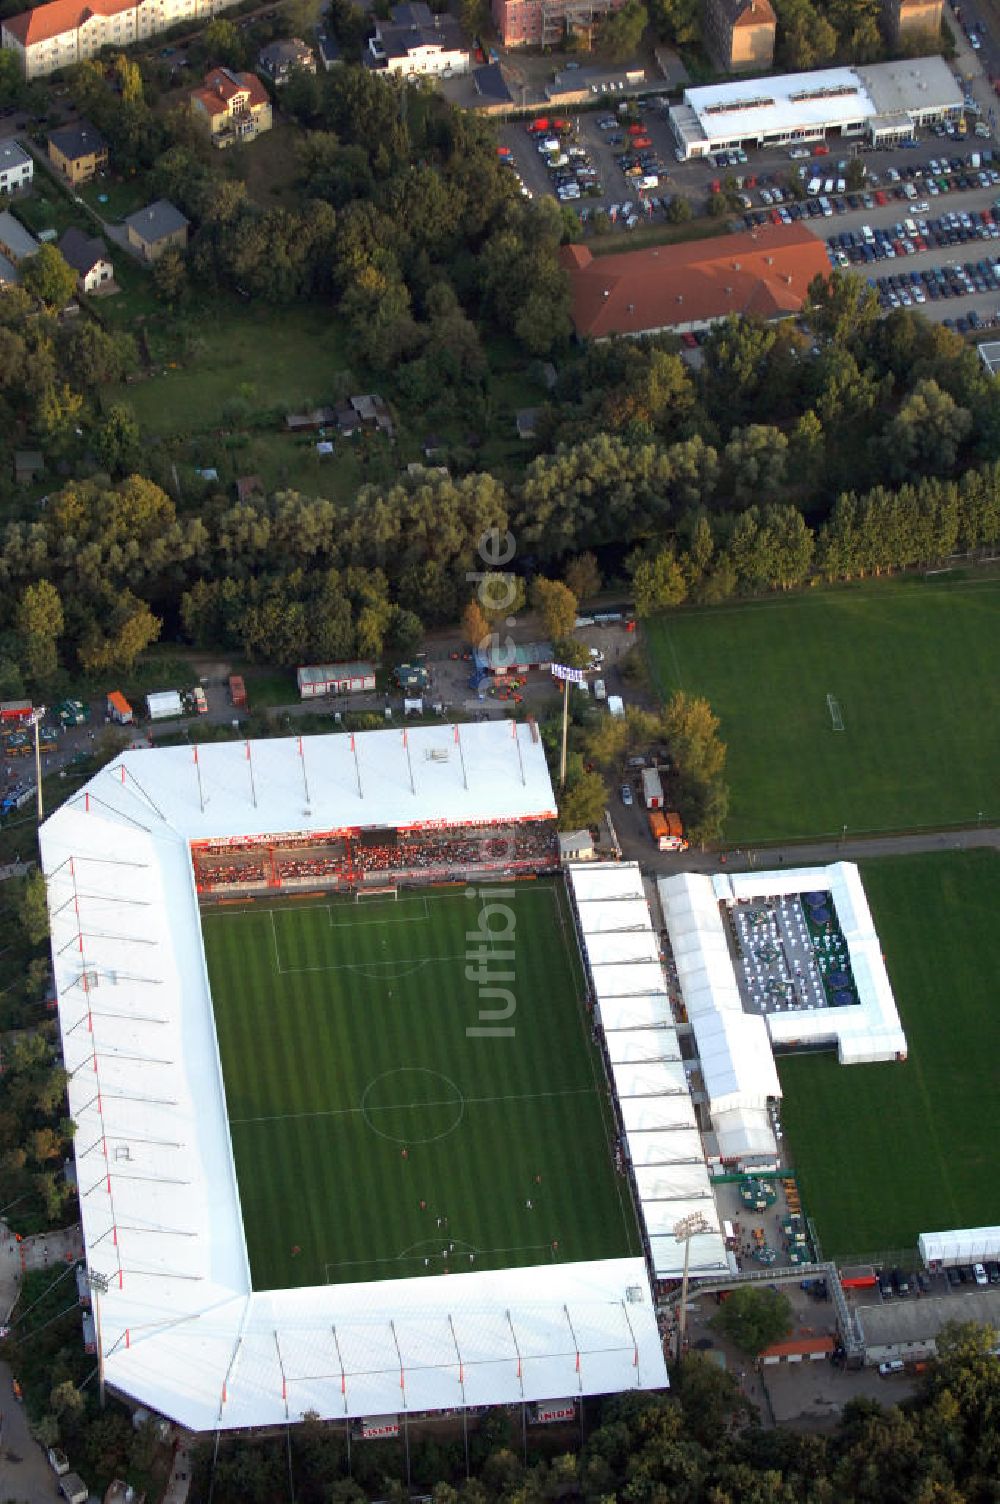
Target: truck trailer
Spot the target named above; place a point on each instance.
(652, 789)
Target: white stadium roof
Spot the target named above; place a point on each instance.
(652, 1088)
(182, 1329)
(422, 775)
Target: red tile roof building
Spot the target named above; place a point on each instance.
(64, 32)
(234, 106)
(764, 273)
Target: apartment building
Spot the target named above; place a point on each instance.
(64, 32)
(740, 33)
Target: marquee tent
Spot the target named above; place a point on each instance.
(967, 1245)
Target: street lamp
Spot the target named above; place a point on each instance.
(99, 1286)
(687, 1228)
(35, 719)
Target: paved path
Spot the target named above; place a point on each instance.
(812, 853)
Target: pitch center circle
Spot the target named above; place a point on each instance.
(412, 1105)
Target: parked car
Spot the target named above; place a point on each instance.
(627, 798)
(895, 1365)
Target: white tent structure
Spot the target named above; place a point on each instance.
(183, 1330)
(633, 1010)
(968, 1245)
(734, 1050)
(867, 1031)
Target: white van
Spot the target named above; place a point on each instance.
(600, 693)
(828, 187)
(895, 1365)
(813, 186)
(910, 226)
(869, 234)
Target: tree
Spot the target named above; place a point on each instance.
(570, 652)
(692, 728)
(222, 43)
(40, 624)
(582, 802)
(475, 627)
(677, 21)
(842, 307)
(583, 576)
(557, 605)
(754, 1318)
(658, 583)
(679, 210)
(129, 76)
(619, 36)
(501, 595)
(33, 909)
(47, 275)
(118, 441)
(170, 277)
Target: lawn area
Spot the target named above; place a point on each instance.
(258, 359)
(885, 1152)
(114, 198)
(343, 1032)
(914, 667)
(269, 165)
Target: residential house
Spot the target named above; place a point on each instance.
(545, 23)
(29, 464)
(329, 50)
(88, 256)
(16, 167)
(153, 230)
(908, 20)
(79, 151)
(415, 43)
(740, 33)
(764, 273)
(232, 106)
(65, 32)
(278, 60)
(15, 241)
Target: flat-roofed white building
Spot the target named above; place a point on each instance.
(879, 104)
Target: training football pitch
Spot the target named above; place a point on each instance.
(376, 1134)
(885, 1152)
(910, 670)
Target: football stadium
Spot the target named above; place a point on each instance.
(378, 1113)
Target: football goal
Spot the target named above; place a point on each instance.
(389, 890)
(836, 717)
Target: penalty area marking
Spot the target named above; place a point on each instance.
(373, 970)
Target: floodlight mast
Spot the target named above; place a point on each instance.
(99, 1286)
(35, 720)
(684, 1230)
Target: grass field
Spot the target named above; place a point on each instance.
(915, 668)
(343, 1035)
(885, 1152)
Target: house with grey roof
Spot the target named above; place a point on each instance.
(153, 230)
(16, 167)
(15, 241)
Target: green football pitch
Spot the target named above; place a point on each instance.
(886, 1152)
(909, 669)
(376, 1134)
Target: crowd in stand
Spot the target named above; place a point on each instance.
(289, 868)
(518, 847)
